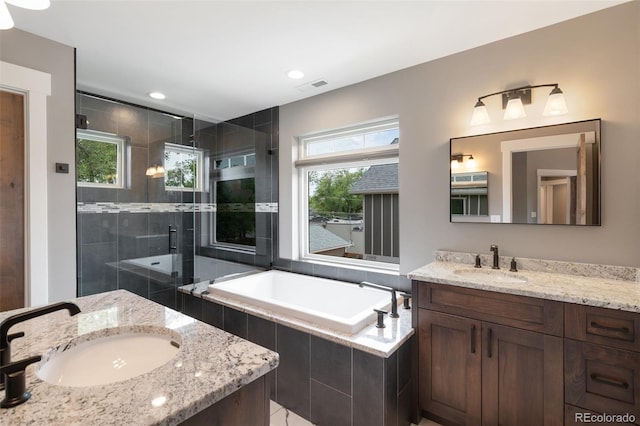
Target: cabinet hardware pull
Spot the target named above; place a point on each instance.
(624, 330)
(489, 338)
(473, 339)
(609, 381)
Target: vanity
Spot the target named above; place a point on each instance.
(555, 343)
(212, 376)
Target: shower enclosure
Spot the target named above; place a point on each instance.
(165, 201)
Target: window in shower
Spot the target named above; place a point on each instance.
(235, 218)
(184, 168)
(100, 159)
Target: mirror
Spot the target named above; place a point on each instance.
(542, 175)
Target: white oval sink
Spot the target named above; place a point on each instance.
(491, 275)
(121, 355)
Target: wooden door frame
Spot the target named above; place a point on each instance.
(36, 87)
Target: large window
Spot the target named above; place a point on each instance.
(349, 195)
(184, 168)
(100, 159)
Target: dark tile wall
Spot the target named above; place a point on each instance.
(105, 239)
(257, 132)
(322, 381)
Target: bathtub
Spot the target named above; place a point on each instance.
(336, 305)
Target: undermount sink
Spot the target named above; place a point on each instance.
(492, 275)
(99, 358)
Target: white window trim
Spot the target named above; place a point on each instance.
(200, 167)
(119, 142)
(353, 158)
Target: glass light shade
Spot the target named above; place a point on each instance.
(480, 114)
(471, 162)
(159, 172)
(455, 164)
(151, 171)
(6, 21)
(31, 4)
(514, 109)
(556, 104)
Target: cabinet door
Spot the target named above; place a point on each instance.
(521, 377)
(450, 363)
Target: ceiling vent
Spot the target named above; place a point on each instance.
(312, 85)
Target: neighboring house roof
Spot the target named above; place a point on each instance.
(380, 179)
(321, 239)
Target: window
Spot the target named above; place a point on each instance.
(184, 168)
(100, 159)
(350, 195)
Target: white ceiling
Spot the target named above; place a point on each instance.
(224, 59)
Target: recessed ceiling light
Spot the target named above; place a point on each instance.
(295, 74)
(157, 95)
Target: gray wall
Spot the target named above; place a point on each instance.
(31, 51)
(596, 61)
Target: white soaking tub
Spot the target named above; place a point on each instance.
(336, 305)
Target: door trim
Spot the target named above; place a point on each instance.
(36, 86)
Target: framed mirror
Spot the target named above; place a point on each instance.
(541, 175)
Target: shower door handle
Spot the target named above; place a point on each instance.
(172, 242)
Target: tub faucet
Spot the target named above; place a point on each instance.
(6, 338)
(496, 256)
(394, 301)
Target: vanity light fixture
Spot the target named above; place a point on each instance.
(6, 22)
(457, 159)
(155, 171)
(513, 101)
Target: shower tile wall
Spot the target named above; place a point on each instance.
(107, 232)
(120, 224)
(257, 132)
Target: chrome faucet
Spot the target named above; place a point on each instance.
(394, 301)
(13, 377)
(496, 256)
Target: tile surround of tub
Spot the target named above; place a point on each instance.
(318, 379)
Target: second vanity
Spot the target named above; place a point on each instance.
(213, 377)
(555, 343)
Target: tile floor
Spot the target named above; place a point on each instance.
(280, 416)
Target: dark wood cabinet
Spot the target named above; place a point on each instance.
(451, 388)
(487, 358)
(521, 377)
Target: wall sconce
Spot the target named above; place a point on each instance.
(513, 101)
(456, 159)
(155, 171)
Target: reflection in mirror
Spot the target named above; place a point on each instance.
(542, 175)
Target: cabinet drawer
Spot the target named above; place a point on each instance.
(601, 378)
(528, 313)
(610, 327)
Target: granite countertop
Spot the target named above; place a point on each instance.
(381, 342)
(210, 365)
(614, 287)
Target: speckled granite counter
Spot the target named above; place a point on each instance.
(376, 341)
(210, 365)
(614, 287)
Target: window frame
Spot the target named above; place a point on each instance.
(201, 161)
(122, 150)
(343, 159)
